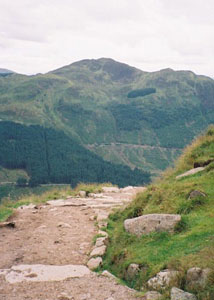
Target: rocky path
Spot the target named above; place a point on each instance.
(45, 256)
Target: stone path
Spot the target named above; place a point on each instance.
(45, 256)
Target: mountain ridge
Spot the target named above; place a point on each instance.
(89, 101)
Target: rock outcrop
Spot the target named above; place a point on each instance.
(151, 223)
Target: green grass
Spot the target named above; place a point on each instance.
(193, 242)
(8, 205)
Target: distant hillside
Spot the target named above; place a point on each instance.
(140, 119)
(192, 243)
(5, 71)
(49, 156)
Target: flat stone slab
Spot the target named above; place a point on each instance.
(62, 202)
(38, 273)
(190, 172)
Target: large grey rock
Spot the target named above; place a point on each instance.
(152, 295)
(151, 223)
(94, 263)
(197, 277)
(163, 279)
(190, 172)
(177, 294)
(132, 271)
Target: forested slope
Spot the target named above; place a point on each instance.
(50, 156)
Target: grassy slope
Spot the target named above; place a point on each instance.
(84, 100)
(192, 244)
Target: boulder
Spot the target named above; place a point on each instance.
(152, 295)
(132, 271)
(177, 294)
(94, 263)
(163, 279)
(110, 189)
(190, 172)
(197, 277)
(82, 194)
(196, 193)
(98, 251)
(151, 223)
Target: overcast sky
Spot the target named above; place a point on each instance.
(42, 35)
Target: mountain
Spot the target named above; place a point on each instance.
(49, 156)
(120, 113)
(191, 245)
(5, 72)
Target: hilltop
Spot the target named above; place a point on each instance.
(191, 245)
(127, 116)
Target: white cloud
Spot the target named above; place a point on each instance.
(40, 35)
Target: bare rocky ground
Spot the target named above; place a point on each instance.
(45, 255)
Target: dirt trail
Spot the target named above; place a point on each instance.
(58, 234)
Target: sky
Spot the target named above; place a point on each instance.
(37, 36)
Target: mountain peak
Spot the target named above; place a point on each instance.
(116, 70)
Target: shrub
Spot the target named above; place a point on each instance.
(141, 92)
